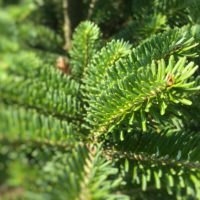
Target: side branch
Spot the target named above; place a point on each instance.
(147, 158)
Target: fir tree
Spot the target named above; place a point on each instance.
(101, 104)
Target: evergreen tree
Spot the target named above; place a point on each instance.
(99, 100)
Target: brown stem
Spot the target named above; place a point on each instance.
(91, 8)
(73, 14)
(67, 25)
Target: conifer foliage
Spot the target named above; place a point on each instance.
(114, 117)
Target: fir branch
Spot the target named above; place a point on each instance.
(36, 143)
(139, 91)
(106, 58)
(151, 160)
(85, 44)
(136, 101)
(28, 124)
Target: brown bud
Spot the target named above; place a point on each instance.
(63, 65)
(170, 80)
